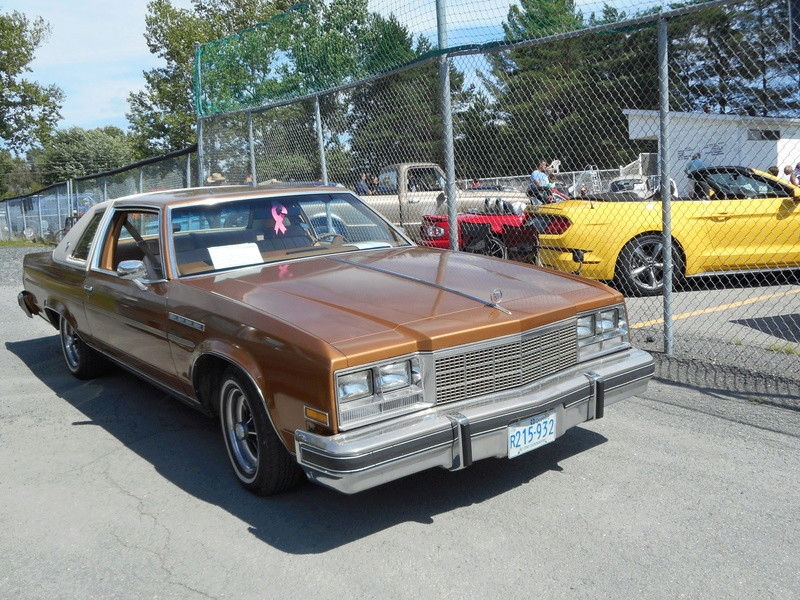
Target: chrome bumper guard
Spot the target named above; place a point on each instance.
(454, 435)
(22, 300)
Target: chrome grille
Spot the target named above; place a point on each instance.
(506, 365)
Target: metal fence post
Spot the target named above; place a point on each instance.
(666, 192)
(8, 221)
(59, 220)
(105, 188)
(320, 141)
(200, 169)
(39, 216)
(447, 125)
(189, 170)
(140, 184)
(251, 144)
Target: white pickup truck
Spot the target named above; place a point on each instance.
(406, 191)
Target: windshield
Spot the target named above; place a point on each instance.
(225, 235)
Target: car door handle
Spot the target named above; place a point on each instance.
(413, 200)
(88, 289)
(723, 216)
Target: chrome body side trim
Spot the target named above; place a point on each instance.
(453, 435)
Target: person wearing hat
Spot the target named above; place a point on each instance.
(216, 179)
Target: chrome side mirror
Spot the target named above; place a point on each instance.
(133, 270)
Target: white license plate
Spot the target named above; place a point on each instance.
(528, 434)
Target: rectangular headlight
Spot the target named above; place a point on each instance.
(585, 327)
(393, 376)
(379, 392)
(602, 331)
(354, 386)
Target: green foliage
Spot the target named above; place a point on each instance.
(162, 115)
(398, 117)
(736, 60)
(16, 175)
(75, 152)
(313, 47)
(27, 110)
(564, 99)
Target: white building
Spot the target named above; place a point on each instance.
(758, 142)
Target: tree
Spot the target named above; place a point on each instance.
(162, 115)
(564, 99)
(16, 175)
(397, 118)
(736, 59)
(28, 111)
(75, 152)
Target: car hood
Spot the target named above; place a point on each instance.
(407, 299)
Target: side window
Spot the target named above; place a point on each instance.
(84, 245)
(387, 182)
(134, 235)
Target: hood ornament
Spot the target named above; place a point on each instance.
(496, 296)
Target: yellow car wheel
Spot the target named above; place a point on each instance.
(640, 268)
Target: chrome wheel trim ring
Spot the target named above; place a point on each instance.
(238, 427)
(70, 344)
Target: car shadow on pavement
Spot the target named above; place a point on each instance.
(785, 327)
(186, 448)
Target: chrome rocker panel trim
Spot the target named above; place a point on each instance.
(454, 435)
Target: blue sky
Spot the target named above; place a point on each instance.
(96, 52)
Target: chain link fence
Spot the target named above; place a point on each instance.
(586, 114)
(46, 214)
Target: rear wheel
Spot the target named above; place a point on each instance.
(82, 361)
(495, 247)
(261, 462)
(640, 269)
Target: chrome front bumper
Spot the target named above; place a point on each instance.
(454, 435)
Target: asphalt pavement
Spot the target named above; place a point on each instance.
(111, 489)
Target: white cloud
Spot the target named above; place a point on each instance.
(96, 53)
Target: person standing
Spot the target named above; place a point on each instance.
(540, 183)
(694, 163)
(362, 188)
(787, 174)
(539, 176)
(795, 177)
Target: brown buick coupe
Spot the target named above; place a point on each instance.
(324, 340)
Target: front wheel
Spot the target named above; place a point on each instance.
(82, 361)
(640, 269)
(261, 462)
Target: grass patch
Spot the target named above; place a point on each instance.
(785, 349)
(21, 243)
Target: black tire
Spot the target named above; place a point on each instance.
(495, 247)
(640, 268)
(82, 361)
(260, 460)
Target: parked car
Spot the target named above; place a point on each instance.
(406, 191)
(495, 231)
(326, 342)
(747, 221)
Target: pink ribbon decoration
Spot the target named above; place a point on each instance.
(278, 213)
(284, 272)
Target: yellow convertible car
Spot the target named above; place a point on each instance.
(738, 220)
